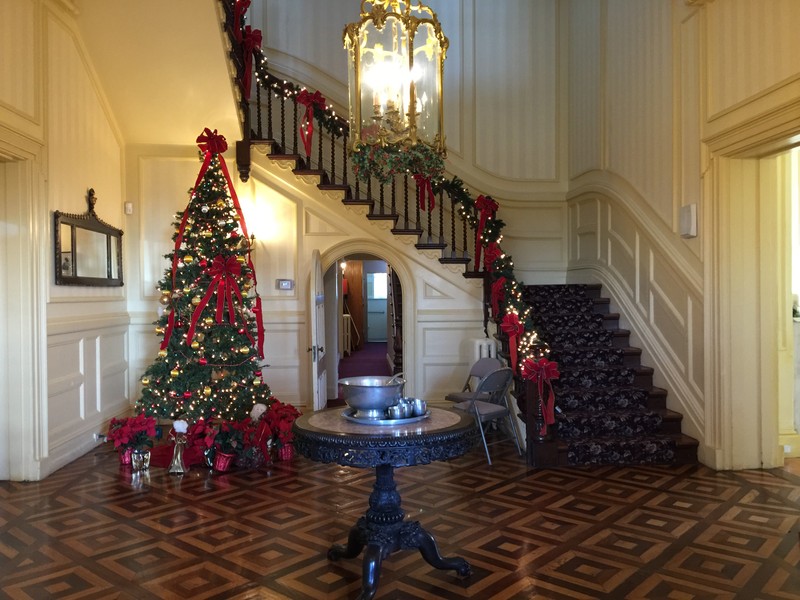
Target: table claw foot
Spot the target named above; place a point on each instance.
(355, 543)
(417, 537)
(371, 571)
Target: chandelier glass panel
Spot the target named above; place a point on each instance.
(396, 64)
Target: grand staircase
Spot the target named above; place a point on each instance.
(609, 411)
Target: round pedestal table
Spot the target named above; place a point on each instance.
(327, 436)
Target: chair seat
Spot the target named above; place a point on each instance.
(461, 396)
(487, 410)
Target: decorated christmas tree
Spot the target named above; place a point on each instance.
(211, 329)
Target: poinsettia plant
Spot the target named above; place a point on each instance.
(280, 417)
(234, 437)
(132, 432)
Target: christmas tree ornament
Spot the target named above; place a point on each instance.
(195, 345)
(174, 373)
(188, 259)
(162, 353)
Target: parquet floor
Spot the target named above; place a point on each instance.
(95, 531)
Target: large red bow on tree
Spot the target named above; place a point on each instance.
(224, 272)
(543, 371)
(487, 207)
(513, 329)
(252, 40)
(307, 124)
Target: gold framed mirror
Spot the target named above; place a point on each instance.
(88, 251)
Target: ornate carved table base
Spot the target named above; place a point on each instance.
(327, 437)
(383, 531)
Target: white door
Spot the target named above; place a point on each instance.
(316, 311)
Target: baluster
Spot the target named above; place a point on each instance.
(430, 222)
(441, 218)
(260, 131)
(369, 193)
(464, 236)
(333, 158)
(319, 146)
(416, 210)
(269, 114)
(453, 252)
(283, 123)
(296, 148)
(344, 161)
(405, 200)
(394, 196)
(382, 203)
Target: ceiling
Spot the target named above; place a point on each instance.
(162, 66)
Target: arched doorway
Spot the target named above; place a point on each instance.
(364, 309)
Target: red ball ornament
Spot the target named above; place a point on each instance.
(203, 263)
(203, 361)
(241, 331)
(187, 394)
(257, 373)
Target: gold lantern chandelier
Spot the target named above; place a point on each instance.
(396, 63)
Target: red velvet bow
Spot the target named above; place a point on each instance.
(307, 125)
(224, 272)
(211, 141)
(513, 329)
(239, 9)
(492, 253)
(543, 371)
(487, 207)
(424, 188)
(498, 291)
(252, 40)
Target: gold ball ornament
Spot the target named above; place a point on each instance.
(206, 391)
(220, 204)
(241, 259)
(244, 350)
(162, 353)
(208, 320)
(256, 382)
(195, 345)
(159, 330)
(165, 298)
(187, 289)
(188, 259)
(174, 373)
(196, 300)
(145, 380)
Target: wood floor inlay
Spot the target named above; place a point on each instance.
(94, 530)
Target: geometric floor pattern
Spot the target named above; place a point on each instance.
(95, 531)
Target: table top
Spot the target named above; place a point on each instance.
(326, 436)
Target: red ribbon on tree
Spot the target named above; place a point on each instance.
(307, 125)
(487, 208)
(491, 254)
(424, 188)
(239, 9)
(498, 291)
(513, 329)
(211, 143)
(252, 40)
(543, 371)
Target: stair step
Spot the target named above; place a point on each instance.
(406, 231)
(383, 216)
(430, 245)
(455, 260)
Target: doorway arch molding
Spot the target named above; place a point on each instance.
(399, 263)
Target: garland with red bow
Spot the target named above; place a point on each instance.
(543, 371)
(252, 40)
(310, 101)
(491, 254)
(512, 327)
(214, 144)
(424, 188)
(487, 208)
(498, 292)
(239, 9)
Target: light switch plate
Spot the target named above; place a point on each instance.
(284, 284)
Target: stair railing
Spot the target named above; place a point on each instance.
(270, 115)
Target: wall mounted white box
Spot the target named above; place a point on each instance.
(688, 221)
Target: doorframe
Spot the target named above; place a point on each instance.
(334, 254)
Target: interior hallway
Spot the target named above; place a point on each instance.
(95, 531)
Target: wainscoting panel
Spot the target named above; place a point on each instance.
(87, 371)
(19, 49)
(622, 248)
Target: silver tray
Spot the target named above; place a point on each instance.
(350, 415)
